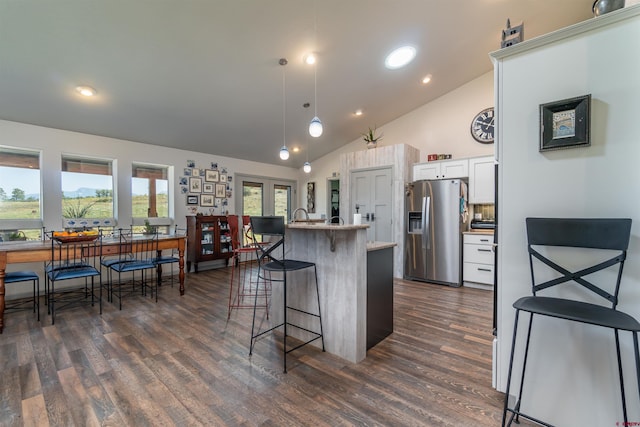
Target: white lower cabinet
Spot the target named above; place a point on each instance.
(478, 260)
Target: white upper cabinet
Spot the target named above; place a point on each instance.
(441, 170)
(481, 180)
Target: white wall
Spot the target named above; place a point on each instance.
(54, 142)
(441, 127)
(572, 368)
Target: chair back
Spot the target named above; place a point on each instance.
(268, 226)
(234, 229)
(586, 233)
(73, 255)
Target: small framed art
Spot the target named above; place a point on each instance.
(206, 200)
(211, 175)
(565, 123)
(195, 184)
(192, 200)
(221, 190)
(208, 187)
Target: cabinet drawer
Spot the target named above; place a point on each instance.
(482, 254)
(479, 273)
(478, 239)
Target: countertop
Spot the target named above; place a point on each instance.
(318, 226)
(480, 231)
(375, 246)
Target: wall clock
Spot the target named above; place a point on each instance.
(483, 126)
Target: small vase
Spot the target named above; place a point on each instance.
(372, 144)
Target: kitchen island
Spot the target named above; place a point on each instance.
(340, 253)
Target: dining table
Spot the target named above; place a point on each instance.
(40, 251)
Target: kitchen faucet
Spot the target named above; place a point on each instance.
(306, 214)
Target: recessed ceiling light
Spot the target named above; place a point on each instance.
(426, 79)
(296, 149)
(86, 91)
(358, 112)
(310, 58)
(400, 57)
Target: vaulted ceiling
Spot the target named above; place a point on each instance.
(204, 75)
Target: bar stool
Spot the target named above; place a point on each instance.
(244, 286)
(585, 235)
(270, 263)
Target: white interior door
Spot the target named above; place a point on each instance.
(371, 192)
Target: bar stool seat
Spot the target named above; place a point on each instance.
(269, 263)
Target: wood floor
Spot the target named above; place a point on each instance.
(180, 362)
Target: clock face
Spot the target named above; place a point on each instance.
(482, 126)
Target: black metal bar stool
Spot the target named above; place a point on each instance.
(585, 235)
(270, 263)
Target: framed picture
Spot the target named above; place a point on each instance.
(195, 172)
(565, 124)
(192, 200)
(195, 184)
(206, 200)
(207, 187)
(220, 190)
(223, 177)
(311, 197)
(211, 175)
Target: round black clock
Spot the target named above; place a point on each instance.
(483, 125)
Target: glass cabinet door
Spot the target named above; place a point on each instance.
(207, 242)
(225, 237)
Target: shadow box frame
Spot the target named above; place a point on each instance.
(565, 124)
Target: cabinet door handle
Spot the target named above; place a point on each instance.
(484, 250)
(372, 217)
(484, 269)
(484, 240)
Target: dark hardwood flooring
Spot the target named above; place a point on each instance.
(180, 362)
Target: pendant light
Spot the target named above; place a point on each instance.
(284, 152)
(307, 167)
(315, 127)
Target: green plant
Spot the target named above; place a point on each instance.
(370, 136)
(77, 211)
(148, 228)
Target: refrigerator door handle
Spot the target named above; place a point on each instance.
(426, 207)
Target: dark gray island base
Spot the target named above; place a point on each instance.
(379, 294)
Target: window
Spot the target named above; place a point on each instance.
(150, 191)
(150, 195)
(87, 192)
(20, 216)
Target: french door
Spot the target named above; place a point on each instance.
(264, 196)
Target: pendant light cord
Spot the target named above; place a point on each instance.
(284, 62)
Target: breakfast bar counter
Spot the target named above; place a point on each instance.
(340, 254)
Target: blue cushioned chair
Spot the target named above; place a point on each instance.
(73, 258)
(136, 253)
(24, 276)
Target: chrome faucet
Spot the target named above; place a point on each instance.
(306, 214)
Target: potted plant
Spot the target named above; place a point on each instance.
(371, 138)
(148, 228)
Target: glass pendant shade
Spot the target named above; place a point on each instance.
(315, 127)
(307, 167)
(284, 153)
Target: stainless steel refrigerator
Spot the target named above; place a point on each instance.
(433, 238)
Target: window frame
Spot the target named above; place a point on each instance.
(24, 223)
(154, 221)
